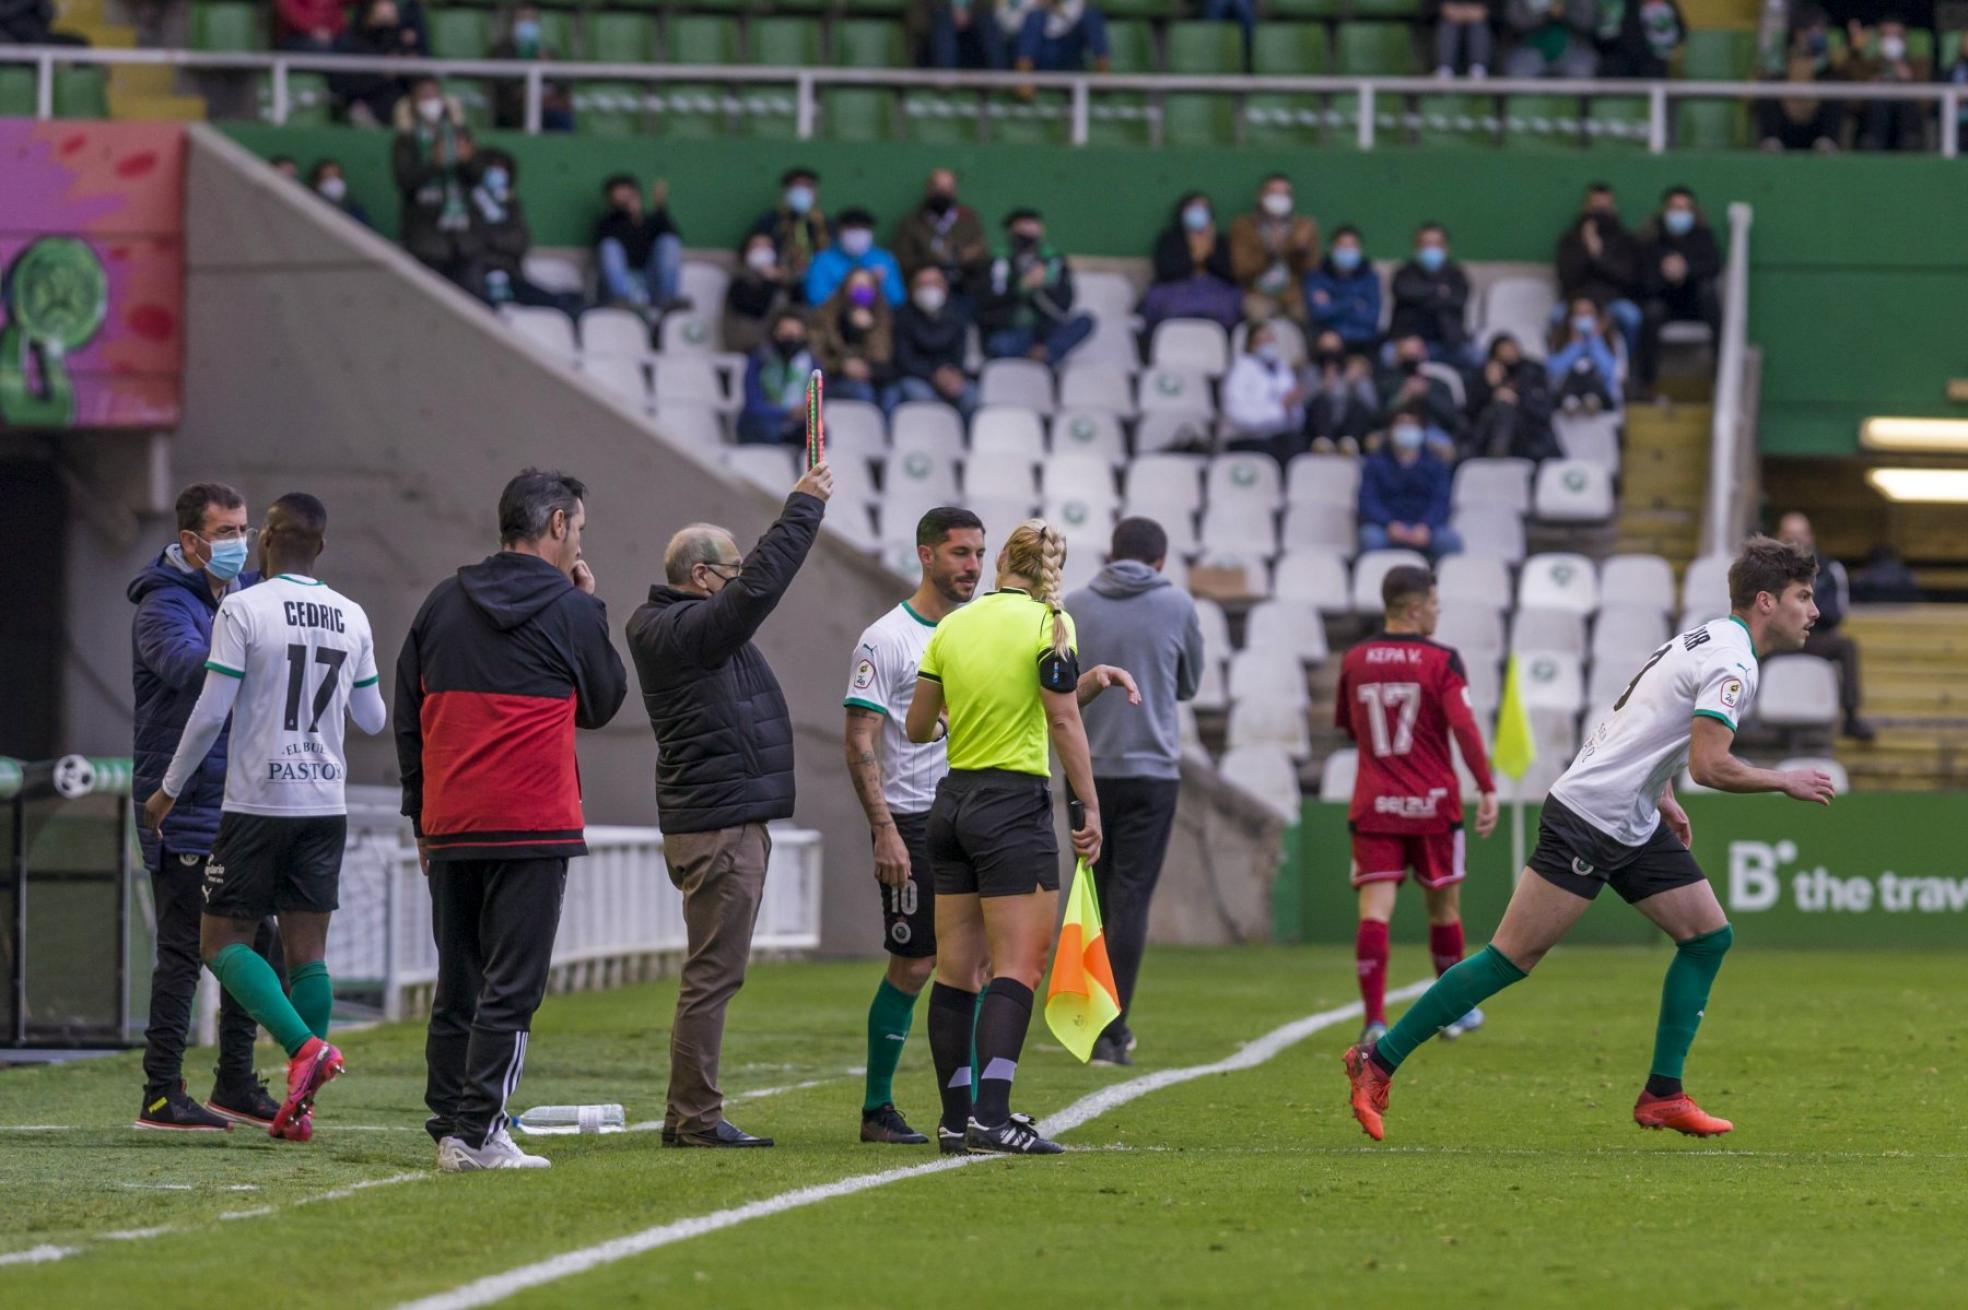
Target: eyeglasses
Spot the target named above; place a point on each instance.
(718, 567)
(233, 532)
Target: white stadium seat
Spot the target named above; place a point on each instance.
(1089, 432)
(1317, 577)
(927, 425)
(1288, 335)
(1559, 581)
(1258, 723)
(1337, 774)
(623, 377)
(920, 476)
(854, 521)
(1088, 477)
(1239, 528)
(1272, 676)
(1267, 773)
(686, 332)
(693, 425)
(1092, 384)
(854, 479)
(1023, 382)
(1212, 690)
(1170, 390)
(1005, 476)
(772, 468)
(1323, 480)
(555, 273)
(1593, 438)
(1103, 293)
(1000, 514)
(1174, 518)
(548, 329)
(1292, 626)
(1548, 629)
(614, 332)
(1249, 482)
(1503, 483)
(1470, 628)
(1573, 491)
(1200, 344)
(1485, 676)
(1797, 691)
(1215, 629)
(1490, 531)
(1551, 680)
(1320, 527)
(1705, 589)
(1007, 432)
(1623, 633)
(1255, 568)
(857, 428)
(1167, 478)
(1370, 568)
(1522, 307)
(1473, 581)
(1841, 782)
(1088, 524)
(703, 284)
(1638, 582)
(1162, 430)
(690, 380)
(1083, 562)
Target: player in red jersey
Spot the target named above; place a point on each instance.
(1400, 696)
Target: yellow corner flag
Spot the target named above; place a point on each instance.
(1516, 748)
(1081, 999)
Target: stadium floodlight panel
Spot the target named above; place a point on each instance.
(1940, 435)
(1929, 486)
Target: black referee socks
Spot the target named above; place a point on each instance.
(951, 1013)
(1001, 1023)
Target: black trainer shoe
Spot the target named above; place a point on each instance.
(725, 1134)
(1859, 730)
(244, 1103)
(1108, 1051)
(885, 1123)
(1008, 1138)
(949, 1141)
(174, 1112)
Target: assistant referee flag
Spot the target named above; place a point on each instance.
(1516, 745)
(1081, 999)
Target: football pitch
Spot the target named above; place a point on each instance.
(1512, 1173)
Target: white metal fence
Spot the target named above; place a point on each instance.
(1370, 107)
(1729, 430)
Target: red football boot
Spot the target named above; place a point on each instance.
(1369, 1093)
(312, 1067)
(1680, 1113)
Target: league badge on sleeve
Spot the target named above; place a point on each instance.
(864, 674)
(1732, 691)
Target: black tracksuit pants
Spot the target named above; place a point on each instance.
(177, 888)
(494, 921)
(1137, 815)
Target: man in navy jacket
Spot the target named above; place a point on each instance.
(176, 597)
(1404, 494)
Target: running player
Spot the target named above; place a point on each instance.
(1612, 818)
(895, 780)
(1007, 672)
(1400, 696)
(288, 658)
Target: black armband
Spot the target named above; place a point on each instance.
(1060, 673)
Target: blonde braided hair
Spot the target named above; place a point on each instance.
(1035, 552)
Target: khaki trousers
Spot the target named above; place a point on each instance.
(721, 874)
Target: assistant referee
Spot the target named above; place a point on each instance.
(1006, 670)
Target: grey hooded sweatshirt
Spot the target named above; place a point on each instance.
(1133, 617)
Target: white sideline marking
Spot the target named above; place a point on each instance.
(136, 1234)
(756, 1094)
(36, 1128)
(35, 1255)
(497, 1287)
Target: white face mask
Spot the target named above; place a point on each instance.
(760, 258)
(1893, 47)
(1277, 204)
(431, 110)
(931, 299)
(332, 189)
(856, 242)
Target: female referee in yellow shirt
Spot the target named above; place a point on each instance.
(1005, 668)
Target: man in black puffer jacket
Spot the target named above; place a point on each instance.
(724, 769)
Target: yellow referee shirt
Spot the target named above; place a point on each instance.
(987, 657)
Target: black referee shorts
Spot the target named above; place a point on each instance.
(264, 865)
(1576, 856)
(990, 832)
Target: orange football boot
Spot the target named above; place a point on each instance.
(1369, 1094)
(1678, 1112)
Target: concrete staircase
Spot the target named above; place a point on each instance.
(1663, 479)
(1914, 660)
(133, 92)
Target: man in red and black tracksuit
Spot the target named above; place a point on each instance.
(504, 661)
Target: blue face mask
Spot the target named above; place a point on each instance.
(228, 558)
(1585, 323)
(1407, 437)
(1431, 257)
(1195, 218)
(497, 179)
(1679, 222)
(799, 199)
(1345, 258)
(526, 33)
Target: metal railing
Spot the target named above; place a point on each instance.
(1727, 431)
(1352, 103)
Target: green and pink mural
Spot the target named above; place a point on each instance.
(91, 274)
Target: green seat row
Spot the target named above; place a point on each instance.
(79, 92)
(620, 37)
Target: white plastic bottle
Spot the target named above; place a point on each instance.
(555, 1120)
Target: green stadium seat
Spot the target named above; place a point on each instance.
(1131, 48)
(1709, 125)
(475, 100)
(1290, 50)
(308, 101)
(1281, 122)
(768, 112)
(228, 25)
(868, 43)
(854, 113)
(1205, 48)
(1303, 9)
(896, 7)
(1541, 121)
(557, 32)
(1044, 120)
(1920, 44)
(16, 91)
(1143, 8)
(938, 118)
(1626, 115)
(460, 33)
(783, 42)
(1375, 50)
(610, 108)
(1454, 120)
(1199, 120)
(1121, 118)
(692, 109)
(619, 38)
(81, 93)
(701, 39)
(1274, 121)
(1718, 55)
(1392, 9)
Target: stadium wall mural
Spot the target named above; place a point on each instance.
(91, 274)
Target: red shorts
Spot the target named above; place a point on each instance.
(1435, 857)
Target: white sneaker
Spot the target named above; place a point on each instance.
(1469, 1023)
(499, 1152)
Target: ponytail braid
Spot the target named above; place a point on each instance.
(1035, 553)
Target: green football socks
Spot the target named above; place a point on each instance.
(255, 985)
(312, 996)
(1454, 994)
(1684, 995)
(889, 1017)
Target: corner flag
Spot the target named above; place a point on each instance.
(1516, 747)
(1081, 999)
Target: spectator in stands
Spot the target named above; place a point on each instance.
(944, 234)
(1832, 595)
(523, 41)
(1554, 38)
(854, 249)
(964, 34)
(1404, 493)
(1597, 258)
(1263, 400)
(1957, 74)
(1060, 36)
(1804, 124)
(370, 99)
(1409, 384)
(1885, 579)
(930, 333)
(1431, 292)
(1509, 407)
(1192, 276)
(1028, 304)
(32, 22)
(1343, 293)
(1272, 249)
(1340, 401)
(797, 225)
(285, 166)
(774, 412)
(1584, 371)
(500, 221)
(854, 339)
(1679, 263)
(1241, 12)
(1463, 40)
(325, 179)
(1638, 37)
(758, 291)
(433, 160)
(1881, 57)
(309, 27)
(639, 253)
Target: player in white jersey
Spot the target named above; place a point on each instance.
(289, 658)
(895, 780)
(1612, 819)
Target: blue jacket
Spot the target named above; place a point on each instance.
(169, 640)
(1391, 492)
(773, 387)
(1352, 302)
(1593, 348)
(831, 266)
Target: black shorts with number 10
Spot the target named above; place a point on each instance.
(909, 911)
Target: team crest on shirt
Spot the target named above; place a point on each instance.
(864, 674)
(1732, 691)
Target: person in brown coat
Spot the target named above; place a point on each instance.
(1272, 248)
(854, 338)
(942, 234)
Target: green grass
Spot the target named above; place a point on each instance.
(1512, 1173)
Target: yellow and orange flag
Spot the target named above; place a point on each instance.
(1081, 999)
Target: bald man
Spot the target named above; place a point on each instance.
(1833, 594)
(724, 769)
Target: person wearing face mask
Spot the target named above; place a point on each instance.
(371, 99)
(434, 161)
(1637, 38)
(854, 250)
(1059, 36)
(1340, 400)
(757, 291)
(1597, 259)
(1409, 383)
(325, 179)
(930, 332)
(1343, 293)
(1509, 407)
(525, 40)
(774, 412)
(1263, 400)
(499, 219)
(1431, 293)
(1028, 305)
(1553, 38)
(854, 339)
(1806, 56)
(1272, 248)
(1404, 493)
(1192, 276)
(1883, 58)
(639, 254)
(177, 597)
(1583, 369)
(1680, 261)
(797, 225)
(940, 233)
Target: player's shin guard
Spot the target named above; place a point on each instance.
(950, 1014)
(889, 1017)
(312, 995)
(1001, 1024)
(1445, 945)
(1684, 995)
(255, 985)
(1454, 994)
(1370, 954)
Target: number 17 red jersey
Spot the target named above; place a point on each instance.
(1400, 696)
